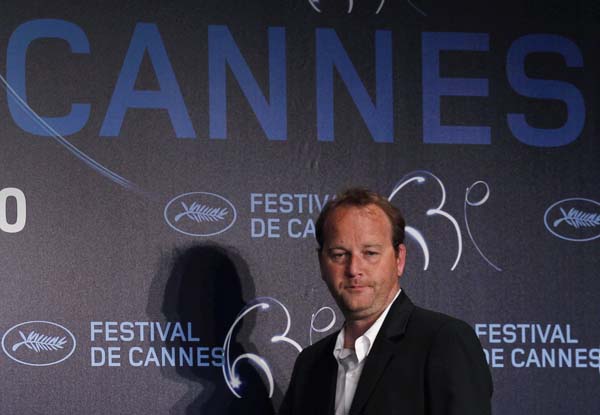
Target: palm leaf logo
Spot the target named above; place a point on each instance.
(38, 342)
(578, 219)
(201, 213)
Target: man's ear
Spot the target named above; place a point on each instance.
(400, 259)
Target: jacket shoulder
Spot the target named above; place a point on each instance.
(317, 350)
(430, 322)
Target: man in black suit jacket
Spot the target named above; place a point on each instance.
(390, 357)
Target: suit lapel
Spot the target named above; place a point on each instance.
(324, 380)
(383, 350)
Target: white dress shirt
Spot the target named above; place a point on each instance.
(351, 362)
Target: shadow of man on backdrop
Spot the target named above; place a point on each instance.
(206, 285)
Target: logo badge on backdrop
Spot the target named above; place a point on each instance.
(200, 214)
(38, 343)
(575, 219)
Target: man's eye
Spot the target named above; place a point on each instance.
(372, 253)
(338, 256)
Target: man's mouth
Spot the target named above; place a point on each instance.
(356, 287)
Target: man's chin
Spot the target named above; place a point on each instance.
(356, 311)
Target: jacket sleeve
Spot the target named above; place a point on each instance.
(287, 406)
(458, 377)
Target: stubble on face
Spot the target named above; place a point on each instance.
(358, 261)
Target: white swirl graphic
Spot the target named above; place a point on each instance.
(475, 204)
(229, 368)
(90, 162)
(315, 5)
(419, 177)
(416, 8)
(328, 327)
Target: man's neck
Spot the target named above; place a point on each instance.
(354, 328)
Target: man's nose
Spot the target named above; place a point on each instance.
(354, 267)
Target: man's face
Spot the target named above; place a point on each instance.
(359, 263)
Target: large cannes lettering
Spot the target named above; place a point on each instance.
(331, 56)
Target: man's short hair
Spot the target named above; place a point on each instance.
(360, 197)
